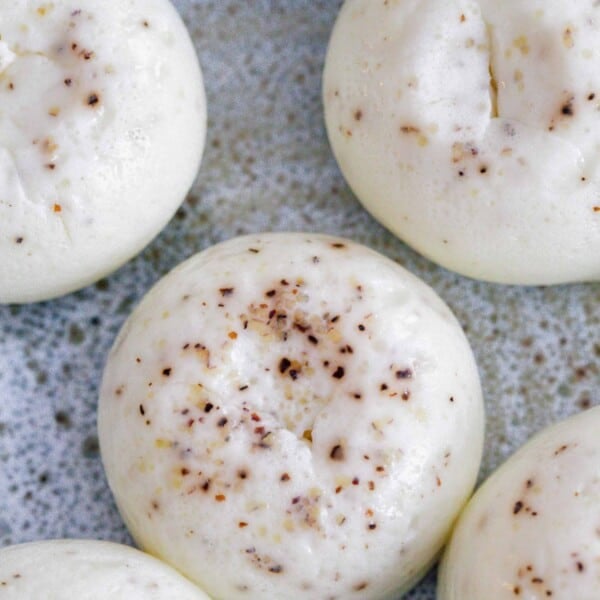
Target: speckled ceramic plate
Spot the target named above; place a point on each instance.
(267, 166)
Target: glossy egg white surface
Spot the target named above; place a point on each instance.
(88, 570)
(470, 129)
(292, 416)
(101, 133)
(533, 530)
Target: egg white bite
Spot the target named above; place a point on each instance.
(292, 416)
(101, 133)
(532, 531)
(88, 570)
(471, 128)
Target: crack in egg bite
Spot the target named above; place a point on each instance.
(471, 129)
(101, 133)
(292, 416)
(533, 529)
(88, 570)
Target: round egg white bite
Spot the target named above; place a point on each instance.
(101, 133)
(532, 531)
(292, 416)
(471, 128)
(88, 570)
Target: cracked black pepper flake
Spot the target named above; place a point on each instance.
(567, 109)
(19, 240)
(284, 365)
(339, 373)
(142, 410)
(276, 569)
(561, 449)
(270, 293)
(167, 372)
(222, 422)
(337, 452)
(226, 292)
(517, 507)
(404, 374)
(209, 406)
(92, 99)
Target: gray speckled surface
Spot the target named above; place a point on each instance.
(267, 166)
